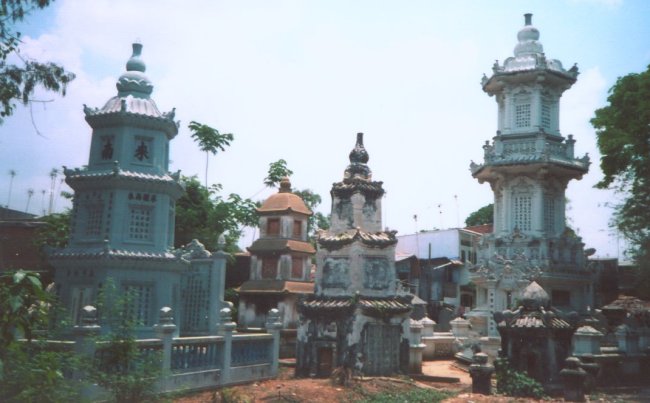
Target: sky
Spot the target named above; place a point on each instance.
(298, 79)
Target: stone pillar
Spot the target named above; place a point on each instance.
(460, 327)
(573, 379)
(427, 338)
(627, 339)
(416, 347)
(84, 346)
(491, 301)
(225, 328)
(586, 340)
(273, 326)
(481, 372)
(217, 284)
(165, 330)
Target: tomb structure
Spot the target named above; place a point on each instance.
(358, 317)
(528, 166)
(123, 208)
(280, 261)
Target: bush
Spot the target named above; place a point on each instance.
(515, 383)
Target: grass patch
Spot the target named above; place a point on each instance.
(415, 395)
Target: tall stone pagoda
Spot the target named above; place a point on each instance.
(528, 165)
(123, 208)
(358, 317)
(280, 261)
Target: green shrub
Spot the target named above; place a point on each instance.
(515, 383)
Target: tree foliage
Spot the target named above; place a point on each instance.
(204, 214)
(277, 171)
(28, 371)
(484, 215)
(18, 82)
(210, 141)
(623, 130)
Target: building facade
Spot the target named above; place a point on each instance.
(358, 316)
(528, 166)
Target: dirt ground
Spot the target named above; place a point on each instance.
(286, 388)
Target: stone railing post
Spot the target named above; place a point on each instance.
(273, 326)
(225, 328)
(217, 284)
(460, 327)
(165, 330)
(416, 347)
(84, 346)
(573, 379)
(481, 372)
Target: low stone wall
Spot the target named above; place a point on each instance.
(195, 363)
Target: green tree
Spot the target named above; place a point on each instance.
(55, 233)
(18, 81)
(277, 171)
(29, 372)
(484, 215)
(623, 131)
(204, 214)
(210, 141)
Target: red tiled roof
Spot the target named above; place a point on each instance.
(276, 287)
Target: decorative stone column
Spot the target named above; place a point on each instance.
(225, 328)
(428, 338)
(217, 284)
(481, 372)
(416, 347)
(165, 330)
(586, 341)
(273, 326)
(460, 327)
(84, 346)
(573, 379)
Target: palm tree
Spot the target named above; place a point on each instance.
(43, 191)
(210, 141)
(12, 173)
(30, 193)
(53, 173)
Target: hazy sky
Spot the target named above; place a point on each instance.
(298, 79)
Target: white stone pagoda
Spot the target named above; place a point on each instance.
(123, 209)
(528, 165)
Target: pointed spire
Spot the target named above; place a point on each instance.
(528, 38)
(134, 81)
(358, 159)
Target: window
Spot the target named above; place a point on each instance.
(273, 226)
(269, 267)
(297, 229)
(296, 267)
(140, 223)
(546, 115)
(549, 214)
(522, 115)
(522, 212)
(107, 148)
(139, 303)
(94, 220)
